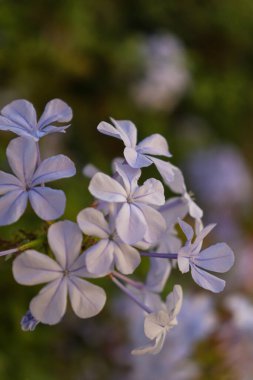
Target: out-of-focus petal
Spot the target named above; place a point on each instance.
(65, 240)
(106, 188)
(92, 222)
(49, 305)
(22, 156)
(87, 300)
(32, 268)
(155, 323)
(158, 274)
(217, 258)
(207, 280)
(12, 206)
(53, 168)
(153, 349)
(130, 224)
(99, 257)
(47, 203)
(55, 111)
(183, 264)
(174, 300)
(155, 144)
(151, 192)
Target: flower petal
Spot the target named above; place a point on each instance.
(55, 111)
(92, 222)
(53, 168)
(130, 224)
(12, 206)
(187, 229)
(153, 349)
(22, 156)
(21, 113)
(158, 274)
(87, 299)
(207, 280)
(32, 268)
(217, 258)
(151, 192)
(99, 257)
(166, 169)
(106, 188)
(155, 144)
(127, 258)
(156, 224)
(65, 240)
(108, 129)
(174, 301)
(129, 176)
(127, 131)
(49, 305)
(135, 159)
(9, 182)
(47, 203)
(155, 323)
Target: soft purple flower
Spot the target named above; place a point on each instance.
(63, 276)
(109, 251)
(216, 258)
(141, 155)
(158, 323)
(15, 190)
(135, 219)
(20, 117)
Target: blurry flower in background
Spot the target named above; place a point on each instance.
(222, 181)
(165, 76)
(197, 320)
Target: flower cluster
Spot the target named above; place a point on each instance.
(130, 222)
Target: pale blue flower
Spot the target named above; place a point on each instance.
(135, 217)
(20, 117)
(62, 275)
(26, 183)
(216, 258)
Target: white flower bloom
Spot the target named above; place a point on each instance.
(217, 258)
(157, 324)
(63, 276)
(109, 251)
(135, 218)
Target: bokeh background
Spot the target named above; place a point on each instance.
(180, 68)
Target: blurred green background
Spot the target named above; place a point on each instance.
(98, 56)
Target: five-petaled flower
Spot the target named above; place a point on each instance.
(20, 117)
(158, 323)
(63, 276)
(135, 219)
(217, 258)
(109, 251)
(15, 190)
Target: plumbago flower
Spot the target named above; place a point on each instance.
(28, 182)
(158, 323)
(135, 217)
(109, 251)
(141, 155)
(216, 258)
(20, 117)
(63, 275)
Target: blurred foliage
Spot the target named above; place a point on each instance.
(86, 53)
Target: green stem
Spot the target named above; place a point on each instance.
(31, 244)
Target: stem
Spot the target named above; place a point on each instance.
(130, 295)
(136, 284)
(160, 255)
(30, 244)
(8, 251)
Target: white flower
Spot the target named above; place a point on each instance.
(109, 251)
(62, 275)
(135, 219)
(217, 258)
(157, 324)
